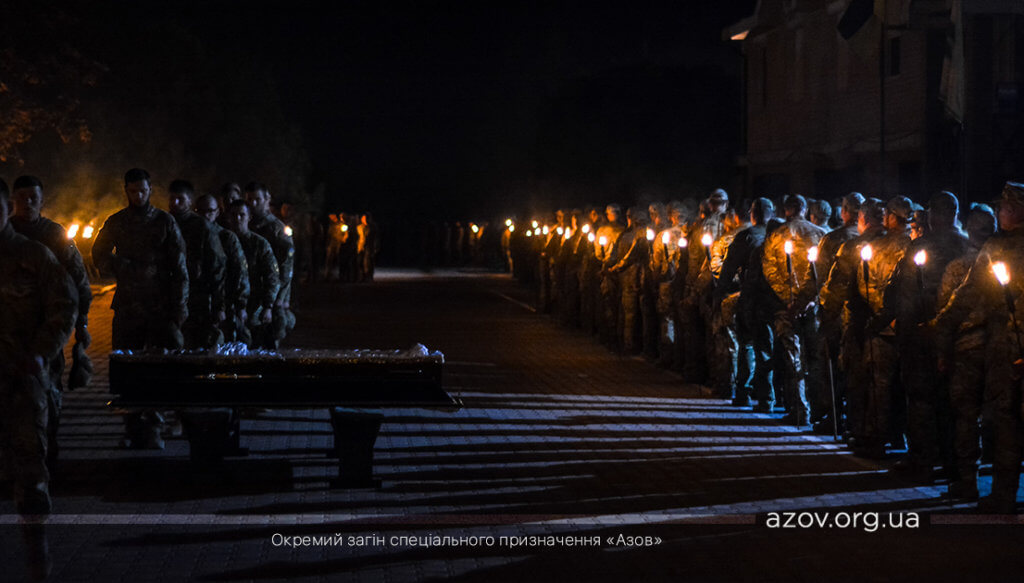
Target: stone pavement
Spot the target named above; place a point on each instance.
(557, 438)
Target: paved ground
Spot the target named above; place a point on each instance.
(557, 438)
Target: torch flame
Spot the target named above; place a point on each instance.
(812, 254)
(665, 238)
(590, 237)
(344, 228)
(508, 222)
(1001, 272)
(788, 247)
(568, 234)
(920, 258)
(73, 230)
(602, 241)
(546, 230)
(586, 228)
(866, 253)
(707, 240)
(288, 230)
(536, 231)
(87, 232)
(534, 224)
(474, 228)
(512, 229)
(560, 230)
(529, 233)
(682, 242)
(650, 234)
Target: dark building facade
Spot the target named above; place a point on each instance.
(882, 96)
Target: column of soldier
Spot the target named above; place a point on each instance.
(890, 324)
(183, 281)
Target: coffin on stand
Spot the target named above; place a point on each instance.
(207, 389)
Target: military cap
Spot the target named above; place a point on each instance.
(900, 206)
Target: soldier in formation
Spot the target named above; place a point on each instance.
(892, 324)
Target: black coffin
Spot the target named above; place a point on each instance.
(283, 379)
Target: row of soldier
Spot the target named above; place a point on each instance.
(894, 325)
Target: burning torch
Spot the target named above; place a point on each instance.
(73, 230)
(866, 253)
(650, 234)
(1002, 274)
(788, 248)
(812, 258)
(920, 258)
(707, 240)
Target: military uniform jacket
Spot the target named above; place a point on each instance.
(38, 299)
(611, 232)
(272, 229)
(236, 273)
(982, 294)
(888, 251)
(263, 281)
(789, 278)
(828, 249)
(840, 289)
(53, 236)
(696, 252)
(206, 262)
(912, 295)
(630, 255)
(144, 250)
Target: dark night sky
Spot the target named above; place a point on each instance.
(476, 104)
(414, 99)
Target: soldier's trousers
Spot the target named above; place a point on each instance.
(928, 418)
(754, 370)
(543, 285)
(631, 323)
(693, 332)
(649, 314)
(882, 415)
(588, 299)
(23, 439)
(967, 394)
(857, 374)
(824, 391)
(570, 304)
(611, 300)
(132, 331)
(200, 331)
(1003, 390)
(725, 345)
(666, 324)
(790, 342)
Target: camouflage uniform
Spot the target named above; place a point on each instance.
(721, 314)
(911, 298)
(883, 419)
(663, 260)
(236, 284)
(981, 294)
(152, 278)
(788, 278)
(841, 301)
(264, 289)
(272, 229)
(962, 345)
(696, 293)
(627, 262)
(741, 276)
(570, 268)
(52, 235)
(825, 365)
(611, 295)
(38, 300)
(206, 262)
(589, 278)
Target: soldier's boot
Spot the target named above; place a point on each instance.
(1003, 499)
(37, 550)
